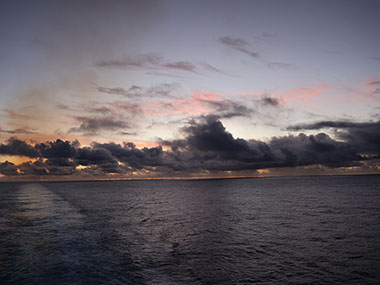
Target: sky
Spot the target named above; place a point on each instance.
(188, 89)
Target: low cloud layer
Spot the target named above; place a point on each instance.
(206, 146)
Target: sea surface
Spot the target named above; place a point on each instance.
(320, 230)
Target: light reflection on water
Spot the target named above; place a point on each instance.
(283, 230)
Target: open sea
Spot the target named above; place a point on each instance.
(320, 230)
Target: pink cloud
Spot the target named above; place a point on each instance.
(12, 114)
(193, 105)
(302, 93)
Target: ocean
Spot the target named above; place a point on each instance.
(320, 230)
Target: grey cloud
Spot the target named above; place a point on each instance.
(242, 46)
(154, 62)
(282, 65)
(270, 101)
(116, 90)
(332, 124)
(228, 108)
(17, 131)
(239, 45)
(94, 125)
(161, 90)
(63, 106)
(148, 61)
(211, 68)
(101, 110)
(376, 82)
(181, 65)
(377, 91)
(151, 61)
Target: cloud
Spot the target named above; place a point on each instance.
(270, 101)
(17, 131)
(377, 91)
(150, 62)
(209, 146)
(331, 124)
(364, 136)
(116, 91)
(200, 104)
(211, 68)
(375, 82)
(238, 44)
(154, 63)
(181, 65)
(228, 109)
(15, 146)
(58, 152)
(8, 168)
(206, 146)
(63, 107)
(14, 115)
(281, 65)
(161, 90)
(243, 46)
(134, 157)
(94, 125)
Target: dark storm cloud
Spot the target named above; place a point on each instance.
(206, 145)
(87, 156)
(215, 147)
(364, 136)
(314, 149)
(57, 149)
(15, 146)
(92, 125)
(238, 44)
(134, 157)
(8, 168)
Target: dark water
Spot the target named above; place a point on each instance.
(320, 230)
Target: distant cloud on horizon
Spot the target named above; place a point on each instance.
(206, 146)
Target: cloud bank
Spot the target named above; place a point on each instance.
(206, 147)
